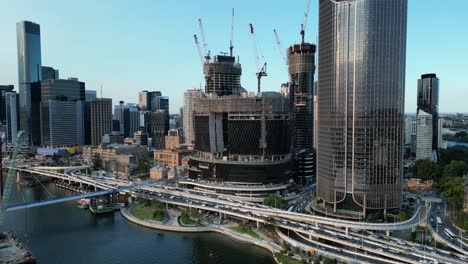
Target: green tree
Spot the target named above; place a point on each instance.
(97, 161)
(454, 153)
(452, 189)
(275, 201)
(425, 169)
(456, 168)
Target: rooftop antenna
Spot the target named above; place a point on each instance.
(101, 90)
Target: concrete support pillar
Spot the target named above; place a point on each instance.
(310, 237)
(387, 232)
(95, 188)
(364, 207)
(334, 207)
(347, 230)
(81, 184)
(258, 225)
(316, 225)
(18, 176)
(167, 206)
(220, 217)
(130, 199)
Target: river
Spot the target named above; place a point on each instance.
(63, 233)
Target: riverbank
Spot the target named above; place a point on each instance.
(173, 226)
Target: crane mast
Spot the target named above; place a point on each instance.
(198, 47)
(263, 70)
(303, 25)
(206, 52)
(280, 47)
(231, 46)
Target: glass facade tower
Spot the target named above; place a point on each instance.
(361, 88)
(428, 101)
(29, 68)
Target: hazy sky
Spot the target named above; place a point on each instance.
(129, 46)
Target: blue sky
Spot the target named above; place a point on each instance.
(129, 46)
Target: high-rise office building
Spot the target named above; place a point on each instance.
(29, 68)
(157, 125)
(159, 103)
(131, 120)
(361, 103)
(119, 115)
(89, 95)
(101, 119)
(4, 89)
(189, 103)
(143, 100)
(301, 68)
(49, 73)
(61, 113)
(222, 75)
(428, 101)
(424, 135)
(11, 115)
(440, 126)
(315, 121)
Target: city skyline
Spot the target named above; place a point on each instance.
(129, 54)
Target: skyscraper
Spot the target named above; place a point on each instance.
(49, 73)
(424, 135)
(29, 68)
(11, 115)
(428, 101)
(187, 119)
(61, 113)
(361, 90)
(101, 119)
(4, 89)
(157, 125)
(143, 100)
(301, 68)
(89, 95)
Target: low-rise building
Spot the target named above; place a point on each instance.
(167, 157)
(157, 173)
(172, 141)
(110, 152)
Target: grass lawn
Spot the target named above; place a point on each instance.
(287, 260)
(245, 230)
(146, 213)
(188, 222)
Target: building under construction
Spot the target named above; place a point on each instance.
(301, 68)
(242, 139)
(222, 75)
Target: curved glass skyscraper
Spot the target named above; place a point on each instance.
(361, 88)
(29, 68)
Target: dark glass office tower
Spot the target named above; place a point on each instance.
(361, 88)
(29, 67)
(428, 101)
(157, 125)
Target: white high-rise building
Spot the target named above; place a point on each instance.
(187, 119)
(424, 136)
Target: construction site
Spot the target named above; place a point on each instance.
(254, 137)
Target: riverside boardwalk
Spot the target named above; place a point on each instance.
(172, 224)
